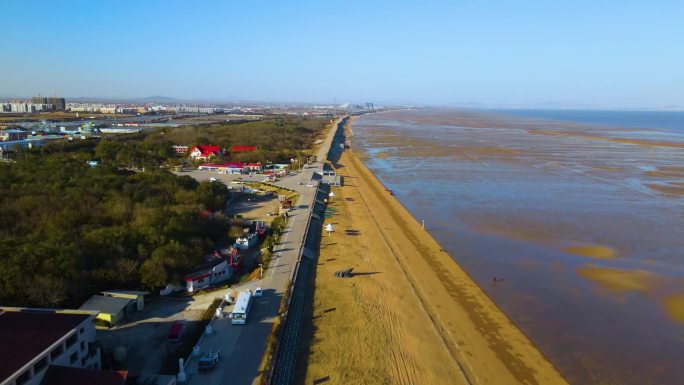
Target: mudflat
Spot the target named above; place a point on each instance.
(581, 224)
(408, 314)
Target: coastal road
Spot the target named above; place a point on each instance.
(243, 346)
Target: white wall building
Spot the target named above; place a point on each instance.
(31, 340)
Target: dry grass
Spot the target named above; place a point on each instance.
(366, 329)
(592, 251)
(267, 359)
(411, 316)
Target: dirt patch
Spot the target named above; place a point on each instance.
(636, 142)
(255, 208)
(668, 172)
(619, 280)
(592, 251)
(674, 305)
(670, 188)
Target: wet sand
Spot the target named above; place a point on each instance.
(584, 224)
(411, 315)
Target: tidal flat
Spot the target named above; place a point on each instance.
(582, 225)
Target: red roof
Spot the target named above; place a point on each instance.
(60, 375)
(207, 150)
(243, 148)
(227, 165)
(26, 334)
(253, 164)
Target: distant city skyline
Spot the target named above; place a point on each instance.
(494, 54)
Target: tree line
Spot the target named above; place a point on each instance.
(69, 230)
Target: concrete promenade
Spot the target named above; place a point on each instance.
(242, 346)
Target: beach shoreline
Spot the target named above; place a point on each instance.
(443, 324)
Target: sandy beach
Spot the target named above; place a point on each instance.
(410, 314)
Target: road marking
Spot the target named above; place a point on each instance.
(287, 235)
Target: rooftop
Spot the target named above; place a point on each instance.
(61, 375)
(25, 334)
(228, 164)
(108, 305)
(243, 148)
(208, 150)
(127, 292)
(204, 269)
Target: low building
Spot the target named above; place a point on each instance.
(138, 297)
(253, 167)
(61, 375)
(246, 242)
(34, 340)
(108, 110)
(210, 274)
(6, 135)
(204, 152)
(223, 168)
(111, 310)
(180, 150)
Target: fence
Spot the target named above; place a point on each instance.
(288, 349)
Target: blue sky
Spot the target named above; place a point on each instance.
(603, 53)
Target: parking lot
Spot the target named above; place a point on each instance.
(144, 337)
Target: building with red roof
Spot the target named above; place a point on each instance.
(253, 167)
(204, 152)
(224, 168)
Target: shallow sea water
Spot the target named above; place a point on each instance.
(520, 199)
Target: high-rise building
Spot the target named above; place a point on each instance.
(58, 104)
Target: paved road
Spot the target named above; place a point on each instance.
(242, 346)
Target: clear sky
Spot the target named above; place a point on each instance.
(606, 53)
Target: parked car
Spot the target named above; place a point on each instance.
(258, 292)
(175, 332)
(208, 362)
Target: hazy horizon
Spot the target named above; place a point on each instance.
(581, 54)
